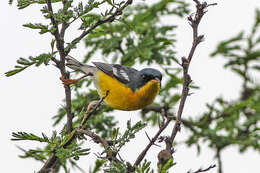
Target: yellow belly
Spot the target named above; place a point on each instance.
(123, 98)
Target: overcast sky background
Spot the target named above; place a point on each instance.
(29, 99)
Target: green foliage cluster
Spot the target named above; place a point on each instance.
(55, 144)
(25, 63)
(140, 36)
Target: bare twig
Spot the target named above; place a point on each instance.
(203, 170)
(194, 22)
(53, 160)
(150, 139)
(188, 124)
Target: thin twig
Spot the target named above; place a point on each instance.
(143, 153)
(194, 22)
(51, 162)
(150, 139)
(111, 18)
(98, 139)
(204, 170)
(188, 124)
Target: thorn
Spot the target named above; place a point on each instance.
(151, 140)
(213, 4)
(189, 94)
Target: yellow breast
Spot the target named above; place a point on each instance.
(123, 98)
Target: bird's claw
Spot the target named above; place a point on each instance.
(68, 81)
(92, 105)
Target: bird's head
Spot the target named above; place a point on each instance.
(149, 74)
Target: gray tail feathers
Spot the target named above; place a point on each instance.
(78, 66)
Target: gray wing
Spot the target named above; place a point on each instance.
(123, 74)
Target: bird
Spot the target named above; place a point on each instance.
(122, 87)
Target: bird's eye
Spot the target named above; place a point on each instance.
(146, 77)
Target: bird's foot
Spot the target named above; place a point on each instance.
(71, 81)
(68, 81)
(92, 105)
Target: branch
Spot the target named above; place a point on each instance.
(111, 18)
(194, 22)
(59, 37)
(188, 124)
(98, 139)
(143, 153)
(219, 161)
(53, 158)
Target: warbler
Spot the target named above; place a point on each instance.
(128, 89)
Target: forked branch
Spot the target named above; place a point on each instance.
(194, 22)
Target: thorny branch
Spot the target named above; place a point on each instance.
(53, 160)
(194, 22)
(152, 141)
(98, 139)
(59, 38)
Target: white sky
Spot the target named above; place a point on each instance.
(31, 98)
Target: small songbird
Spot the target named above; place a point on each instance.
(129, 89)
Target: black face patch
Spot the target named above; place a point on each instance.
(150, 73)
(146, 75)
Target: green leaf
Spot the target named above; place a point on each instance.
(37, 154)
(67, 138)
(88, 20)
(167, 166)
(98, 165)
(28, 136)
(43, 28)
(25, 63)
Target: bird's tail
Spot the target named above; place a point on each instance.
(78, 66)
